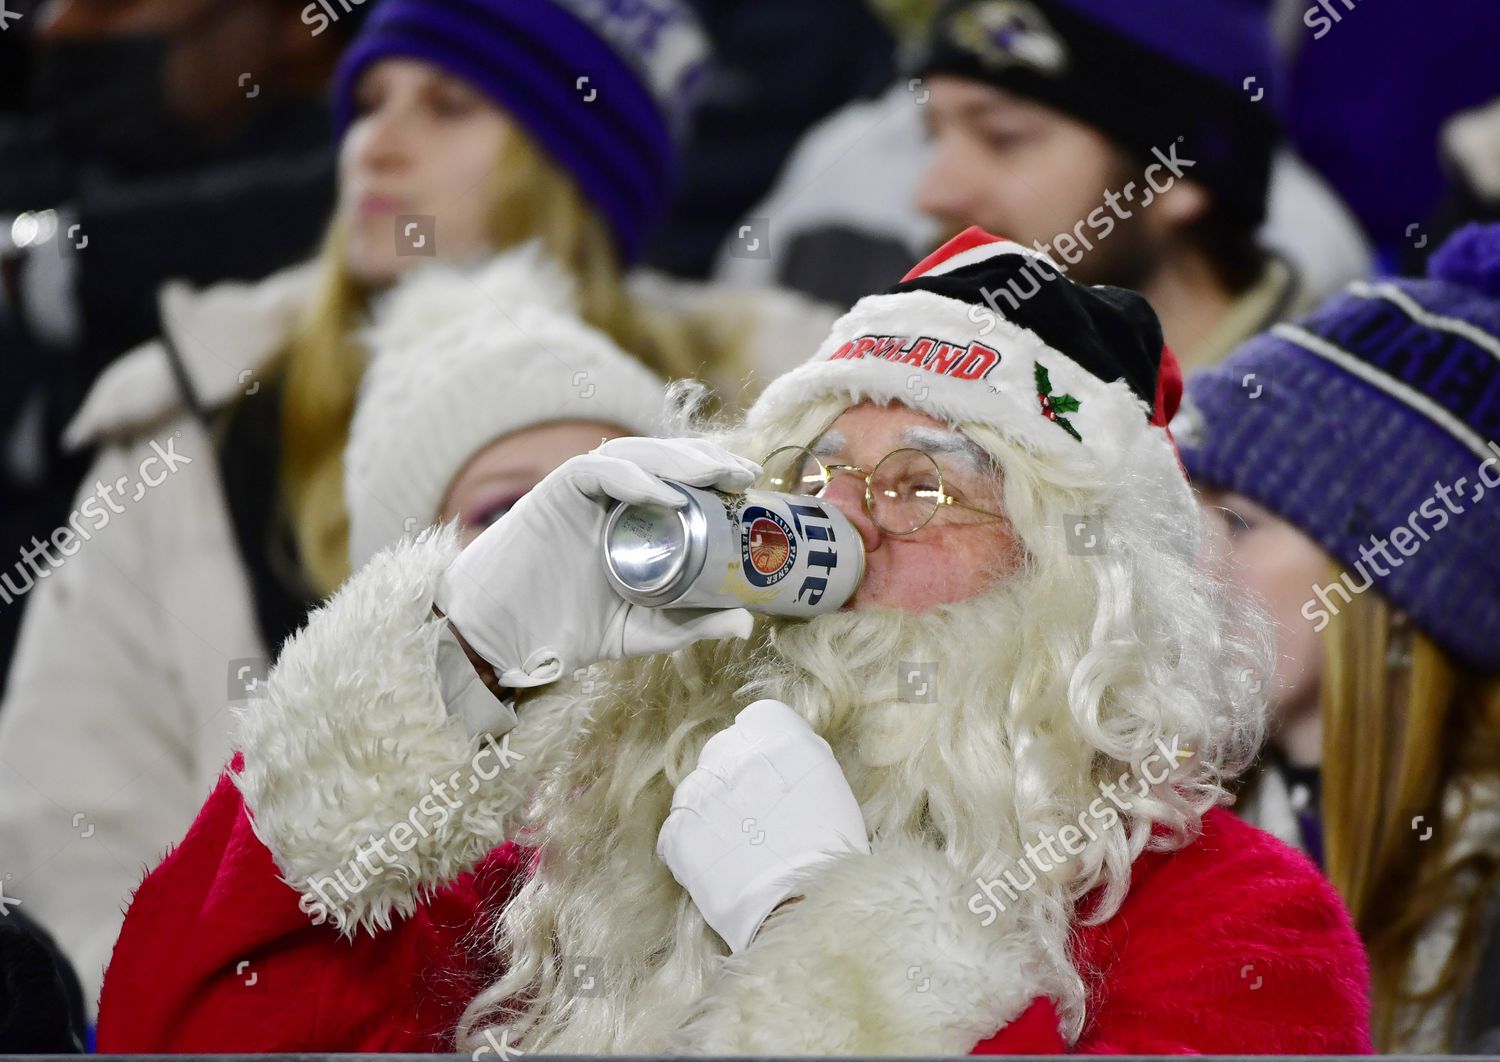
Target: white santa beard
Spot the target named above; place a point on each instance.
(937, 769)
(938, 772)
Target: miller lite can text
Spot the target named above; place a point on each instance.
(782, 554)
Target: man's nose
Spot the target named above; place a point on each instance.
(846, 493)
(942, 193)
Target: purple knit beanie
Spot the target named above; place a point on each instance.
(1373, 425)
(604, 86)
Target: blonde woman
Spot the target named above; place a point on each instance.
(215, 513)
(1351, 460)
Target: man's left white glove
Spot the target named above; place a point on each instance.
(766, 804)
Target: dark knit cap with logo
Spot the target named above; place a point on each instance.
(1373, 425)
(1152, 75)
(604, 87)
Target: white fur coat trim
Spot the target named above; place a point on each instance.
(353, 745)
(881, 956)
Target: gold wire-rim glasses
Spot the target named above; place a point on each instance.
(934, 500)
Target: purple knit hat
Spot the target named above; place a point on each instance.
(603, 85)
(1373, 425)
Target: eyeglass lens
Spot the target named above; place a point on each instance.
(904, 489)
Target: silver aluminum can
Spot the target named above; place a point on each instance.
(782, 554)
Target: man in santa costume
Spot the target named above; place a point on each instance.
(976, 810)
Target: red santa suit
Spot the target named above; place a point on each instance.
(1234, 944)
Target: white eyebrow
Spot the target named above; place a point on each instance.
(949, 443)
(830, 443)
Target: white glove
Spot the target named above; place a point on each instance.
(766, 803)
(530, 596)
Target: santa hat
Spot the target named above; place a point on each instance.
(986, 330)
(460, 358)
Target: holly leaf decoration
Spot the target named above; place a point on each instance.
(1056, 405)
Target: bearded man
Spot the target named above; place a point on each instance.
(975, 810)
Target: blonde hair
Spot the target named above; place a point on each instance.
(533, 198)
(1407, 735)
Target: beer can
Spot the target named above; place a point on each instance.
(782, 554)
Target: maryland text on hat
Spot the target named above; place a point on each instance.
(973, 362)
